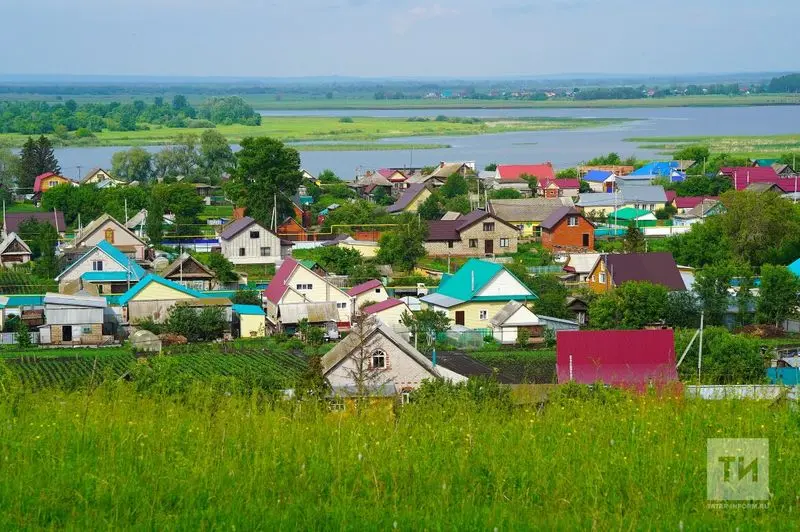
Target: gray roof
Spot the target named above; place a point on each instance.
(528, 209)
(441, 300)
(451, 215)
(630, 194)
(505, 313)
(408, 196)
(52, 298)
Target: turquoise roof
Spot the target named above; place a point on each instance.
(107, 276)
(219, 293)
(249, 310)
(23, 300)
(793, 267)
(153, 278)
(137, 272)
(112, 299)
(461, 286)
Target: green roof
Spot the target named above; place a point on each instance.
(469, 279)
(765, 162)
(628, 213)
(308, 263)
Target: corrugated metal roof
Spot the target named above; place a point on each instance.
(528, 209)
(325, 311)
(657, 268)
(249, 310)
(559, 215)
(153, 278)
(408, 196)
(277, 286)
(364, 287)
(441, 300)
(383, 305)
(597, 176)
(52, 298)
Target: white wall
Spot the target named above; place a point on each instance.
(252, 247)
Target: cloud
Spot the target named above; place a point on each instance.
(403, 22)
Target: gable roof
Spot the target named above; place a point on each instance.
(37, 183)
(467, 366)
(468, 281)
(95, 225)
(248, 310)
(657, 268)
(10, 239)
(581, 262)
(597, 176)
(560, 183)
(657, 168)
(445, 170)
(763, 186)
(127, 263)
(153, 278)
(237, 226)
(364, 287)
(527, 209)
(383, 305)
(443, 230)
(15, 219)
(277, 286)
(688, 202)
(506, 312)
(408, 196)
(510, 173)
(183, 258)
(559, 215)
(352, 341)
(53, 298)
(620, 358)
(745, 175)
(628, 194)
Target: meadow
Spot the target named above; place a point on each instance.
(114, 458)
(750, 146)
(299, 129)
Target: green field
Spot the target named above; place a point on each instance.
(315, 128)
(209, 460)
(753, 146)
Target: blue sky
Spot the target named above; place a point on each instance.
(436, 38)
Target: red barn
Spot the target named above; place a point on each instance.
(626, 359)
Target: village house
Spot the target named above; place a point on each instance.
(614, 269)
(46, 181)
(374, 360)
(579, 309)
(413, 196)
(473, 295)
(775, 188)
(708, 207)
(567, 229)
(685, 203)
(369, 292)
(627, 359)
(249, 321)
(153, 297)
(293, 231)
(189, 272)
(103, 269)
(510, 175)
(649, 197)
(13, 220)
(579, 266)
(527, 214)
(107, 228)
(511, 319)
(389, 311)
(476, 234)
(744, 176)
(296, 293)
(101, 179)
(616, 169)
(14, 251)
(556, 188)
(245, 241)
(601, 180)
(73, 320)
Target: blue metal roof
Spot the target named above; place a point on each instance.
(249, 310)
(128, 264)
(658, 168)
(153, 278)
(597, 176)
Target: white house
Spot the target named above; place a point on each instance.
(513, 317)
(369, 292)
(245, 241)
(389, 312)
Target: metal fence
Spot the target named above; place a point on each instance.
(11, 338)
(544, 270)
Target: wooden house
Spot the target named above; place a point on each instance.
(14, 251)
(613, 269)
(245, 241)
(189, 272)
(103, 269)
(107, 228)
(153, 297)
(389, 311)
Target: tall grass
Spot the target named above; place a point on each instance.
(115, 458)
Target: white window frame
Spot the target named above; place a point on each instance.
(97, 265)
(378, 354)
(488, 226)
(266, 251)
(572, 221)
(473, 240)
(504, 243)
(483, 314)
(602, 277)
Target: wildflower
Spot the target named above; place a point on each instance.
(360, 457)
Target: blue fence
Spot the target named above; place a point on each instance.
(785, 376)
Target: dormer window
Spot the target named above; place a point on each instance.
(572, 221)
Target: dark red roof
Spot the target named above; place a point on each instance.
(630, 359)
(561, 183)
(383, 305)
(671, 195)
(657, 268)
(364, 287)
(745, 175)
(445, 230)
(277, 286)
(14, 219)
(690, 202)
(558, 215)
(510, 173)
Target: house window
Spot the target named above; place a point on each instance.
(503, 242)
(602, 277)
(406, 397)
(377, 290)
(378, 360)
(488, 226)
(255, 234)
(109, 236)
(483, 314)
(266, 252)
(305, 286)
(241, 252)
(86, 330)
(652, 206)
(572, 221)
(450, 244)
(52, 183)
(341, 305)
(337, 404)
(473, 242)
(97, 265)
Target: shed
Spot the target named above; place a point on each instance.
(73, 319)
(513, 317)
(249, 321)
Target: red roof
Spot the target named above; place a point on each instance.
(277, 286)
(630, 359)
(671, 195)
(690, 202)
(561, 183)
(745, 175)
(37, 183)
(510, 173)
(383, 305)
(656, 268)
(364, 287)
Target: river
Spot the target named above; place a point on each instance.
(562, 147)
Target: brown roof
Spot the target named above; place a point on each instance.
(558, 215)
(439, 230)
(527, 210)
(14, 219)
(657, 268)
(174, 269)
(408, 196)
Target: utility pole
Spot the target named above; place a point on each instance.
(700, 353)
(79, 172)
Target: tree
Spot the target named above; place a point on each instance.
(704, 244)
(584, 187)
(491, 167)
(9, 169)
(339, 260)
(505, 193)
(567, 173)
(712, 285)
(154, 223)
(431, 208)
(182, 200)
(632, 305)
(179, 160)
(134, 164)
(778, 296)
(533, 183)
(456, 185)
(682, 310)
(633, 241)
(247, 297)
(222, 267)
(366, 374)
(328, 177)
(404, 246)
(216, 156)
(179, 102)
(458, 204)
(269, 173)
(425, 325)
(37, 157)
(203, 326)
(382, 198)
(697, 153)
(42, 239)
(552, 295)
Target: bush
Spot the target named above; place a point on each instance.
(247, 297)
(23, 335)
(148, 324)
(200, 124)
(208, 324)
(346, 120)
(523, 336)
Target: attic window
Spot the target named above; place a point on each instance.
(97, 265)
(488, 226)
(378, 360)
(572, 221)
(255, 234)
(109, 236)
(377, 290)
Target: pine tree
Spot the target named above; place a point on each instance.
(633, 241)
(37, 157)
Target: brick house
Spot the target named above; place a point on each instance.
(476, 234)
(73, 320)
(556, 188)
(567, 229)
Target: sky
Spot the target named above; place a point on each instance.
(396, 38)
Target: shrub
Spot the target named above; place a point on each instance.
(247, 297)
(523, 336)
(23, 335)
(346, 120)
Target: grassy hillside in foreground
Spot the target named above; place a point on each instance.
(213, 461)
(326, 128)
